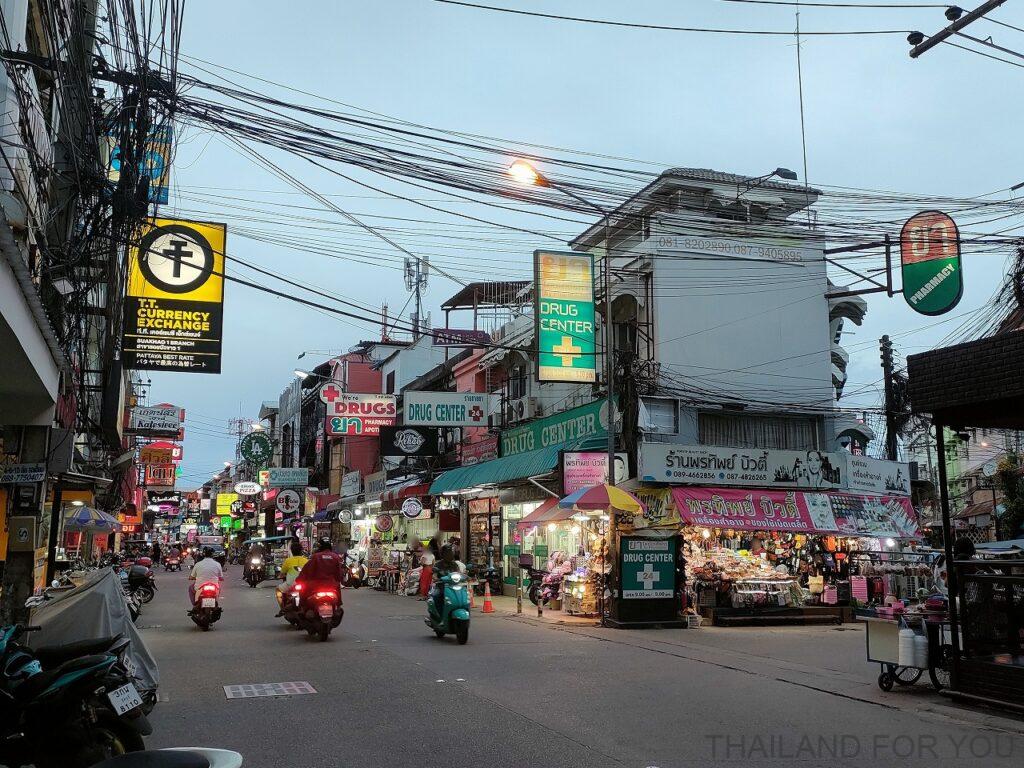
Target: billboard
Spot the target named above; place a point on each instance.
(564, 316)
(930, 263)
(446, 409)
(459, 337)
(287, 477)
(155, 164)
(173, 312)
(163, 420)
(353, 413)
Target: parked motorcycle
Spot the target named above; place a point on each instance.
(89, 700)
(206, 609)
(452, 617)
(142, 580)
(320, 609)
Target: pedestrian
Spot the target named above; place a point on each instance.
(156, 553)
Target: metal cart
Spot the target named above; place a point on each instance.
(882, 637)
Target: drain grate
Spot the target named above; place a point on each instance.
(252, 690)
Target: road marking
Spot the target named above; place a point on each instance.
(252, 690)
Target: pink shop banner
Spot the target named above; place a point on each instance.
(743, 509)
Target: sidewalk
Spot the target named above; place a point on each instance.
(507, 606)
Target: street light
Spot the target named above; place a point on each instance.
(525, 173)
(302, 374)
(255, 426)
(227, 463)
(756, 181)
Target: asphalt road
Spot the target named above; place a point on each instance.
(523, 693)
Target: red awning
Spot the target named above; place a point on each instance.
(404, 491)
(547, 512)
(323, 499)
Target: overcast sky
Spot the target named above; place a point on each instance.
(945, 124)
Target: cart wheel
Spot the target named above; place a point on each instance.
(885, 681)
(938, 669)
(907, 675)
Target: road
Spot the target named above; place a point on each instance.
(527, 693)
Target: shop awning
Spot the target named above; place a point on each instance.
(516, 467)
(749, 509)
(404, 491)
(324, 516)
(547, 512)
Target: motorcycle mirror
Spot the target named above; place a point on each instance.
(55, 583)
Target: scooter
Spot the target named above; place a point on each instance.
(89, 700)
(172, 563)
(320, 609)
(288, 603)
(453, 616)
(206, 610)
(142, 581)
(357, 574)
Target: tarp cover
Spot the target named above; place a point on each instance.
(95, 609)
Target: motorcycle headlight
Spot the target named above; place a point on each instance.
(254, 561)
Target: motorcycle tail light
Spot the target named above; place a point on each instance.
(208, 589)
(326, 593)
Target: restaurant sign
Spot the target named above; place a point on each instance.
(587, 421)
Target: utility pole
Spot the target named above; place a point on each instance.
(890, 405)
(922, 44)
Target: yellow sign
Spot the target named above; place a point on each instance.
(148, 455)
(39, 571)
(661, 510)
(224, 502)
(175, 296)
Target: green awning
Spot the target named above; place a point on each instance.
(516, 467)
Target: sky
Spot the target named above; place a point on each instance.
(943, 124)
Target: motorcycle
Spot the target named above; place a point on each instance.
(206, 610)
(90, 700)
(256, 571)
(320, 609)
(172, 563)
(142, 581)
(357, 574)
(453, 615)
(288, 603)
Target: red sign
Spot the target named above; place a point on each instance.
(160, 475)
(743, 509)
(352, 413)
(481, 450)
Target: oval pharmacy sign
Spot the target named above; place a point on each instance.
(930, 257)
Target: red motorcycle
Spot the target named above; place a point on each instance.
(206, 609)
(320, 609)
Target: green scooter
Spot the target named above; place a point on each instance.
(453, 618)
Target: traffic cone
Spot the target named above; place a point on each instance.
(488, 605)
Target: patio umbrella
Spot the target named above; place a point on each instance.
(89, 519)
(604, 497)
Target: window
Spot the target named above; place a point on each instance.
(517, 383)
(757, 431)
(389, 384)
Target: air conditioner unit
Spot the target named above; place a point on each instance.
(522, 409)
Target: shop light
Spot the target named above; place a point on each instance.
(376, 503)
(890, 543)
(705, 533)
(576, 529)
(552, 526)
(77, 503)
(606, 518)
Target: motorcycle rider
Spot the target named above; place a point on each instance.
(326, 568)
(255, 550)
(291, 567)
(205, 570)
(444, 565)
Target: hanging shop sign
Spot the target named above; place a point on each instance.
(257, 449)
(564, 316)
(412, 508)
(648, 568)
(409, 441)
(159, 475)
(582, 469)
(288, 502)
(459, 337)
(154, 165)
(150, 455)
(225, 502)
(310, 497)
(204, 505)
(353, 413)
(718, 465)
(446, 409)
(888, 478)
(247, 488)
(175, 298)
(164, 420)
(287, 477)
(11, 474)
(384, 523)
(587, 421)
(164, 445)
(930, 261)
(351, 483)
(374, 484)
(483, 449)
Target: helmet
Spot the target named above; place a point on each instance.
(207, 551)
(324, 543)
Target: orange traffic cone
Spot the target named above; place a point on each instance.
(488, 605)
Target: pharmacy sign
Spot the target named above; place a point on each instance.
(930, 256)
(648, 568)
(564, 307)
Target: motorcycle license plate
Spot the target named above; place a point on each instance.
(209, 602)
(124, 699)
(325, 611)
(130, 666)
